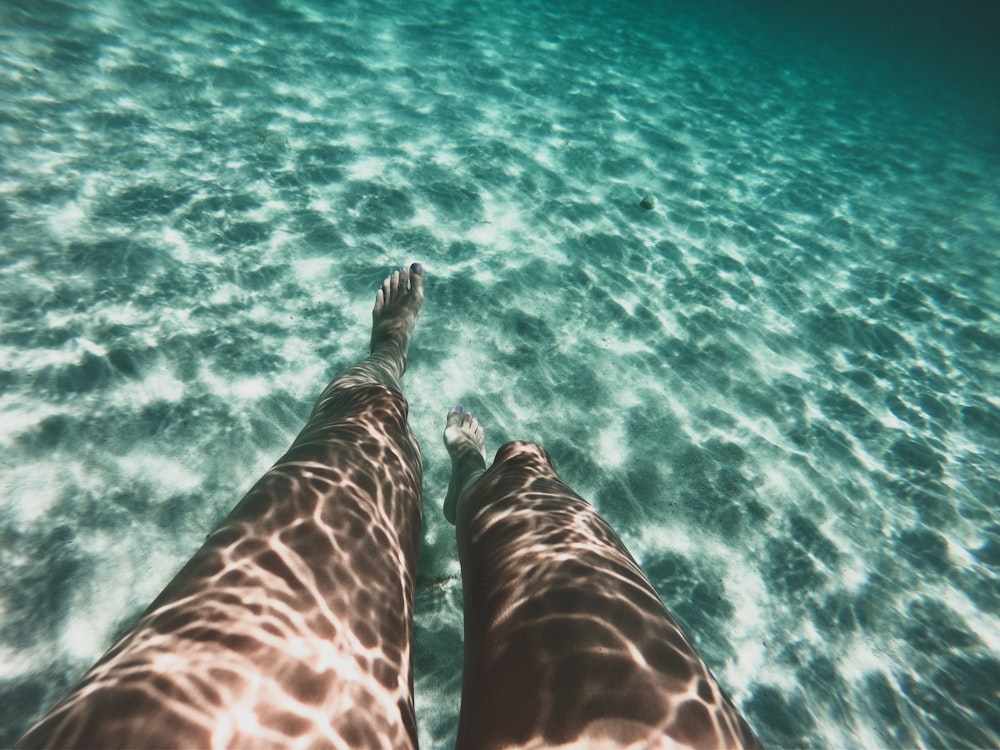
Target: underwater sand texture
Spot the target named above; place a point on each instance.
(779, 384)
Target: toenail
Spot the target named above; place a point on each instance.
(417, 268)
(458, 409)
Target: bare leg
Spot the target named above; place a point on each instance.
(566, 641)
(466, 443)
(290, 627)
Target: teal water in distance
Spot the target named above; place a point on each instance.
(779, 383)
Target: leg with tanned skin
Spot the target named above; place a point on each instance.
(566, 642)
(466, 445)
(291, 626)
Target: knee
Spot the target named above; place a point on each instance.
(521, 451)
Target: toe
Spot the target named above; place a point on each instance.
(416, 275)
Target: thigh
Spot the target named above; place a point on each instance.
(291, 624)
(567, 643)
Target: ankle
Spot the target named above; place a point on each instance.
(470, 462)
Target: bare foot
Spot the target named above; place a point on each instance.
(397, 306)
(466, 444)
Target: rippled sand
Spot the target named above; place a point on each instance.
(779, 383)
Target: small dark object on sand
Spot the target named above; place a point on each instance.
(648, 202)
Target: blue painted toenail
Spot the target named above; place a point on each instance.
(458, 409)
(417, 268)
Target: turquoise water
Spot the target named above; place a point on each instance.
(779, 383)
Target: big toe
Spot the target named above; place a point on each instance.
(416, 274)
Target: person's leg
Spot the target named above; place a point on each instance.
(566, 641)
(290, 627)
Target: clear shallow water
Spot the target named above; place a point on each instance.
(780, 385)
